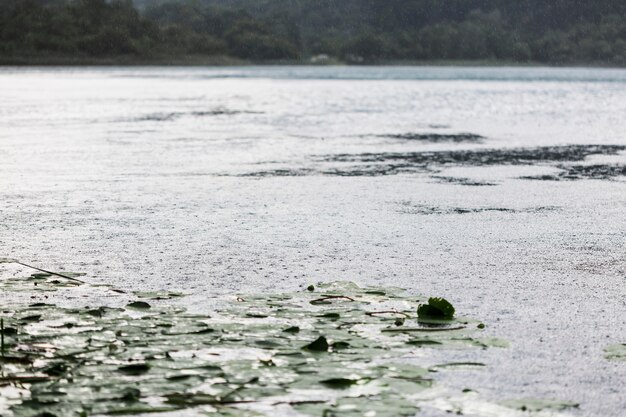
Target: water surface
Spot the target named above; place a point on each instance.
(501, 189)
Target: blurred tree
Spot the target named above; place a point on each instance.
(556, 31)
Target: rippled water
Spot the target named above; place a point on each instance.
(502, 189)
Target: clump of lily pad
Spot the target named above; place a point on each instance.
(339, 350)
(436, 308)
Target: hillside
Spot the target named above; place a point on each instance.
(357, 31)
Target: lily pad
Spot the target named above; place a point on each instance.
(437, 308)
(259, 352)
(615, 352)
(318, 345)
(139, 305)
(540, 405)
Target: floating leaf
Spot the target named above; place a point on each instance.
(539, 405)
(158, 295)
(32, 318)
(130, 394)
(338, 383)
(458, 365)
(423, 342)
(615, 352)
(318, 345)
(437, 308)
(135, 368)
(139, 305)
(251, 355)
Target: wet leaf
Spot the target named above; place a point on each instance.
(438, 308)
(318, 345)
(134, 369)
(615, 352)
(158, 295)
(539, 405)
(338, 383)
(139, 305)
(459, 365)
(254, 353)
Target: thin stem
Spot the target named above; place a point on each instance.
(2, 337)
(50, 272)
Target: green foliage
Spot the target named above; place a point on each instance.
(238, 361)
(616, 352)
(250, 39)
(557, 31)
(437, 308)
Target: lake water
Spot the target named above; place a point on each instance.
(501, 189)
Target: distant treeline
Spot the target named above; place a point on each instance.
(355, 31)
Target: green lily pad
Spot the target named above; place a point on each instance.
(249, 357)
(134, 369)
(615, 352)
(338, 383)
(139, 305)
(158, 295)
(437, 308)
(540, 405)
(318, 345)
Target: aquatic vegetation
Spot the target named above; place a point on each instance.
(433, 162)
(331, 349)
(437, 308)
(171, 116)
(540, 405)
(436, 137)
(462, 181)
(616, 352)
(579, 172)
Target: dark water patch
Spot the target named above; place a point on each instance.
(432, 162)
(375, 170)
(463, 181)
(221, 112)
(436, 137)
(284, 172)
(357, 171)
(407, 207)
(390, 163)
(170, 116)
(159, 117)
(482, 157)
(583, 172)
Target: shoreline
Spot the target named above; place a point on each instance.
(228, 61)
